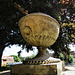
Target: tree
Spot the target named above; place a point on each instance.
(67, 30)
(16, 58)
(28, 58)
(9, 30)
(11, 12)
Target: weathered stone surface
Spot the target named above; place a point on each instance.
(39, 29)
(42, 69)
(42, 61)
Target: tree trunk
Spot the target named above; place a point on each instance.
(1, 52)
(0, 59)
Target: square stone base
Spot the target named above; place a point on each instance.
(42, 69)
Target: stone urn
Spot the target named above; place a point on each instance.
(40, 30)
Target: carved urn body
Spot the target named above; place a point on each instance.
(39, 30)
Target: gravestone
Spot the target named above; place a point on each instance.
(40, 30)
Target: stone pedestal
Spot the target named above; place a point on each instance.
(42, 69)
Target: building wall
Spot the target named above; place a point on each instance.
(4, 63)
(6, 60)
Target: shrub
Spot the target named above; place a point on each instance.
(61, 56)
(70, 59)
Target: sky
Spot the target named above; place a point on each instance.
(15, 48)
(72, 47)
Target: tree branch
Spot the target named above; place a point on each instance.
(22, 10)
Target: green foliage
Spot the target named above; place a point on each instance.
(28, 58)
(5, 68)
(16, 58)
(66, 58)
(70, 59)
(23, 59)
(33, 56)
(61, 56)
